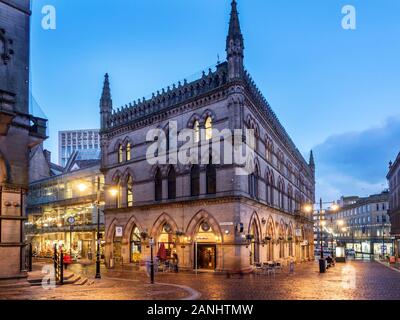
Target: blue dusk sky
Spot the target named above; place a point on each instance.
(335, 91)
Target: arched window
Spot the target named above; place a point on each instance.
(129, 192)
(195, 180)
(208, 127)
(171, 183)
(282, 195)
(290, 199)
(128, 151)
(158, 185)
(271, 189)
(196, 131)
(253, 184)
(211, 178)
(119, 193)
(120, 154)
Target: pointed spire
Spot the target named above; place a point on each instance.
(312, 162)
(106, 94)
(105, 102)
(234, 25)
(235, 45)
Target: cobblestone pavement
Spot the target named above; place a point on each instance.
(107, 288)
(355, 280)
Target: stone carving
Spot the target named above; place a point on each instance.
(5, 47)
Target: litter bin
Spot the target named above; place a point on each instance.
(322, 265)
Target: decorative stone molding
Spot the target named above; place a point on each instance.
(6, 50)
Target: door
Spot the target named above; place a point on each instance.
(206, 256)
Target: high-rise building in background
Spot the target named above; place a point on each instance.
(72, 140)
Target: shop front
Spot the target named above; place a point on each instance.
(82, 245)
(205, 248)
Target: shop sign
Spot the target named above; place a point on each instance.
(118, 231)
(304, 243)
(226, 224)
(298, 232)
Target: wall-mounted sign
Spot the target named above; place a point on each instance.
(298, 232)
(304, 243)
(226, 224)
(118, 231)
(71, 220)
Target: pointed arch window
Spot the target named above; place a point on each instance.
(195, 180)
(129, 191)
(120, 154)
(171, 183)
(158, 185)
(196, 131)
(119, 193)
(211, 178)
(208, 128)
(128, 151)
(253, 184)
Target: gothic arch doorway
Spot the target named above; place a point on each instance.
(255, 243)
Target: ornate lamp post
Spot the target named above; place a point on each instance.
(114, 193)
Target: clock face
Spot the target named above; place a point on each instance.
(71, 220)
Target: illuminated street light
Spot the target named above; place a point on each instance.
(335, 207)
(113, 192)
(82, 187)
(308, 208)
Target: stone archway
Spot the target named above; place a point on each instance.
(164, 232)
(270, 239)
(205, 233)
(132, 240)
(255, 235)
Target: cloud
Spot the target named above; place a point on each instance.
(356, 163)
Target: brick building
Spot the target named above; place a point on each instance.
(207, 214)
(19, 132)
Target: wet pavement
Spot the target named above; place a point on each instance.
(354, 280)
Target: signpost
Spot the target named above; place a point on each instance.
(71, 221)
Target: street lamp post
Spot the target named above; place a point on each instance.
(98, 275)
(151, 261)
(82, 187)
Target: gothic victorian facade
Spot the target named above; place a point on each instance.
(393, 177)
(207, 214)
(19, 132)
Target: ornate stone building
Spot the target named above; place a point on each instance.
(393, 177)
(207, 214)
(19, 132)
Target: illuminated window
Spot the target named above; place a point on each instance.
(196, 129)
(128, 151)
(120, 154)
(171, 183)
(158, 185)
(129, 192)
(208, 127)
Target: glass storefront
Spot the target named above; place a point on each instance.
(136, 246)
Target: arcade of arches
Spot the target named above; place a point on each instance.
(208, 244)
